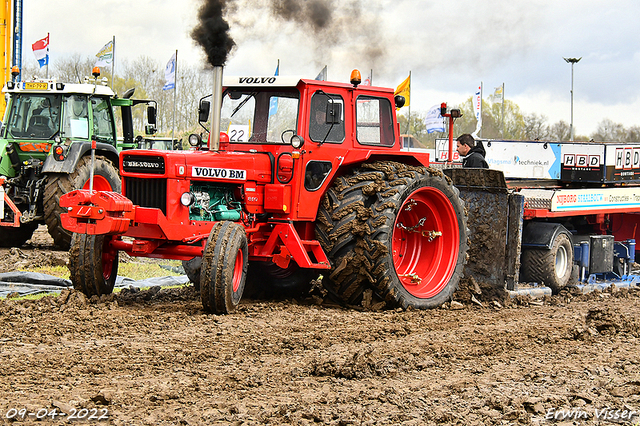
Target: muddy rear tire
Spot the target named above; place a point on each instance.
(16, 237)
(417, 246)
(341, 226)
(93, 264)
(106, 178)
(224, 268)
(357, 226)
(551, 267)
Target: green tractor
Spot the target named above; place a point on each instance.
(46, 150)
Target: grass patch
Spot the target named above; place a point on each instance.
(134, 270)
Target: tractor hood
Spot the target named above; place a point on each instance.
(219, 166)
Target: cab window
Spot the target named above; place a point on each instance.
(260, 117)
(102, 119)
(374, 121)
(75, 118)
(326, 121)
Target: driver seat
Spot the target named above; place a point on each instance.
(40, 125)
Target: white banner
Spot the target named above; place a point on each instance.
(477, 106)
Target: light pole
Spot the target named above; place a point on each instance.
(572, 61)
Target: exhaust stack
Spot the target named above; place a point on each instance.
(216, 106)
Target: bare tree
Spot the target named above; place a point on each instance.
(560, 131)
(535, 127)
(632, 134)
(609, 131)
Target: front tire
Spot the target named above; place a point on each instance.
(93, 264)
(106, 178)
(224, 268)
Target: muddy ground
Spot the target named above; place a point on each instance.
(153, 357)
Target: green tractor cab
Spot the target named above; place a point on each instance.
(45, 150)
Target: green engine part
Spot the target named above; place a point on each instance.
(214, 203)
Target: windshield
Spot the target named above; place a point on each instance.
(260, 116)
(34, 116)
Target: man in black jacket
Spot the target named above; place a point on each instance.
(473, 155)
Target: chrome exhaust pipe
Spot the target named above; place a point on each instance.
(216, 107)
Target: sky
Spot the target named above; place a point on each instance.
(450, 47)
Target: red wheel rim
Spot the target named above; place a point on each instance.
(425, 266)
(237, 270)
(100, 183)
(108, 259)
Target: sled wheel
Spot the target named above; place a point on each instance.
(550, 267)
(16, 237)
(105, 178)
(418, 242)
(93, 264)
(192, 270)
(224, 268)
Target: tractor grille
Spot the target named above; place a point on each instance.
(143, 164)
(147, 192)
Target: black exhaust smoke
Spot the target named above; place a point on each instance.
(212, 33)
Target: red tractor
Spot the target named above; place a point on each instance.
(307, 178)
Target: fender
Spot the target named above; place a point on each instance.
(76, 151)
(543, 234)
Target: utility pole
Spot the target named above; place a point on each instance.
(572, 61)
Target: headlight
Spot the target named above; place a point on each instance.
(187, 199)
(195, 140)
(297, 141)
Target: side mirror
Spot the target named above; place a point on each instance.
(151, 114)
(400, 101)
(203, 111)
(334, 112)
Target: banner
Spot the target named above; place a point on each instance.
(170, 74)
(434, 121)
(105, 55)
(477, 106)
(273, 103)
(369, 80)
(41, 51)
(404, 89)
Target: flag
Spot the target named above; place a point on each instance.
(273, 103)
(434, 120)
(170, 74)
(477, 106)
(41, 51)
(404, 89)
(105, 55)
(498, 95)
(323, 74)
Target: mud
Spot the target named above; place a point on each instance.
(154, 357)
